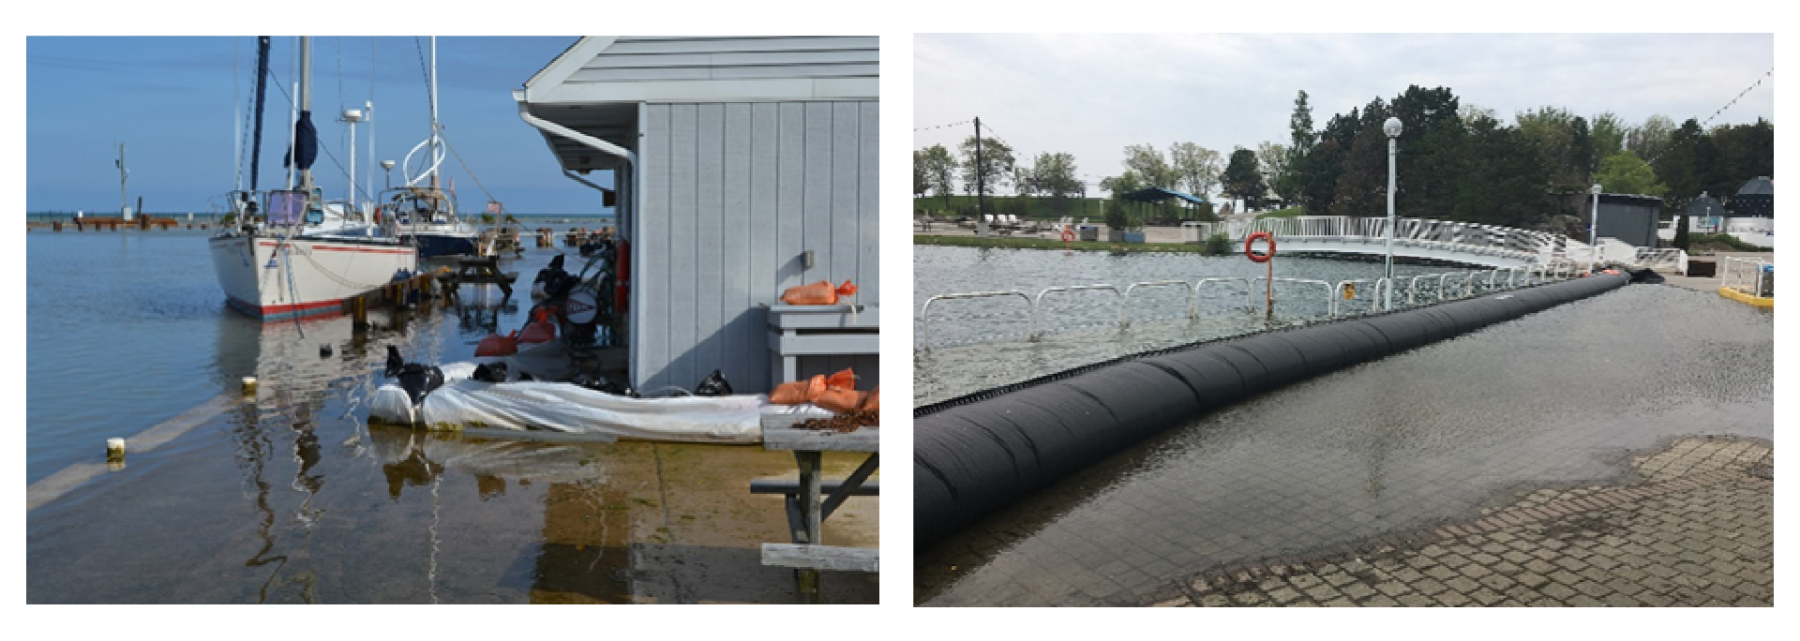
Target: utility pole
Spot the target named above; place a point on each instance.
(981, 226)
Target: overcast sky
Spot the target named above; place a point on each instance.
(1091, 95)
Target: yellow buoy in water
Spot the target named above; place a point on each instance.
(250, 386)
(115, 450)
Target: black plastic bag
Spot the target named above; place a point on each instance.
(603, 385)
(419, 380)
(490, 373)
(714, 385)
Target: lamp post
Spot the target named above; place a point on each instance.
(1392, 129)
(1593, 224)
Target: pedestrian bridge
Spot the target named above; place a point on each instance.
(1442, 240)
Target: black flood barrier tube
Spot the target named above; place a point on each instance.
(978, 453)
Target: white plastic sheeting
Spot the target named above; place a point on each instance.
(562, 407)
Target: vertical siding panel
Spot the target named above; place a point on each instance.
(817, 198)
(737, 336)
(790, 192)
(765, 257)
(845, 180)
(819, 145)
(868, 213)
(868, 371)
(709, 232)
(868, 201)
(651, 275)
(680, 264)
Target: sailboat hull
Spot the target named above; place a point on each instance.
(273, 278)
(449, 242)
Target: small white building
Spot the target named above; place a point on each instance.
(735, 158)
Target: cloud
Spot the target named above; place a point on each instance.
(1091, 94)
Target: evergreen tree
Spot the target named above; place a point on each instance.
(1242, 179)
(1681, 232)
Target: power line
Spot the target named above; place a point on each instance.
(954, 124)
(1666, 148)
(1728, 105)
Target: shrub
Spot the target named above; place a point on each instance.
(1218, 245)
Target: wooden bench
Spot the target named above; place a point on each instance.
(791, 487)
(821, 557)
(810, 499)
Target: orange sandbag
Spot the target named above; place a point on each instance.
(798, 392)
(819, 293)
(537, 332)
(840, 400)
(496, 345)
(844, 379)
(871, 402)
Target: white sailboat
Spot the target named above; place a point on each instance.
(424, 214)
(288, 253)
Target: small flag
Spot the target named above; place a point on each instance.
(493, 207)
(452, 186)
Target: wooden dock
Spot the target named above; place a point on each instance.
(399, 294)
(97, 223)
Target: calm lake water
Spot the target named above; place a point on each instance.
(294, 498)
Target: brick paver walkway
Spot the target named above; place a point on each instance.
(1695, 529)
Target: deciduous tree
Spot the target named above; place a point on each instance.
(940, 170)
(994, 169)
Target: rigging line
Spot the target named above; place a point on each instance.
(425, 71)
(338, 45)
(465, 165)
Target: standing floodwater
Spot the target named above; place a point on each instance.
(1557, 398)
(294, 498)
(969, 345)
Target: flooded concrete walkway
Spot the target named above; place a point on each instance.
(1427, 439)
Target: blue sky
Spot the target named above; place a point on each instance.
(1092, 94)
(170, 100)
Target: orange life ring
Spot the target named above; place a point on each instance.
(1250, 243)
(1068, 235)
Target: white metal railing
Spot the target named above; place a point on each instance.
(1744, 274)
(1448, 286)
(1330, 303)
(1475, 238)
(1248, 301)
(1037, 331)
(925, 310)
(1191, 313)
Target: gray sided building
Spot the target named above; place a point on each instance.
(1629, 217)
(732, 157)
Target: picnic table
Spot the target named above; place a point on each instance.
(482, 269)
(812, 499)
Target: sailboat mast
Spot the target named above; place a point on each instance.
(306, 178)
(435, 153)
